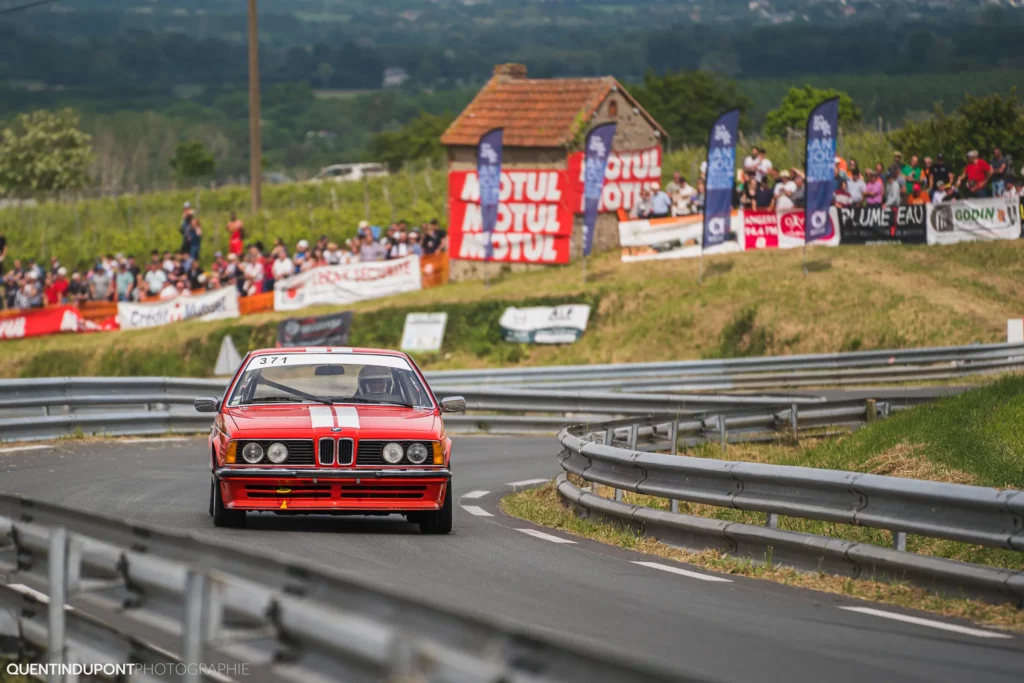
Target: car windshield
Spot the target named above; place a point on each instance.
(330, 378)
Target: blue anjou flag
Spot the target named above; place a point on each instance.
(822, 125)
(721, 178)
(488, 172)
(599, 146)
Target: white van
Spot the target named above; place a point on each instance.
(346, 172)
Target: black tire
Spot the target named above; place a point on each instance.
(440, 521)
(222, 516)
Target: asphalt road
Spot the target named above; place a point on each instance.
(731, 630)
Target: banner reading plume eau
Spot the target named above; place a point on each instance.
(720, 182)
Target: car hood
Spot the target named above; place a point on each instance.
(365, 421)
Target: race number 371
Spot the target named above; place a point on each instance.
(272, 360)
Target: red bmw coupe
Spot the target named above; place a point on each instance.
(330, 431)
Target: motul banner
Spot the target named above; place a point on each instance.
(535, 217)
(628, 172)
(347, 284)
(40, 322)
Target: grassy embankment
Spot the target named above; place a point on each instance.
(975, 438)
(750, 304)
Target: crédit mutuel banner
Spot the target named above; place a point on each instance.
(215, 305)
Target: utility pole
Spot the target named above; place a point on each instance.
(255, 149)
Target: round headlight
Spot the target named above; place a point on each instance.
(252, 453)
(393, 453)
(277, 453)
(417, 454)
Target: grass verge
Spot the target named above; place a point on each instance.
(543, 506)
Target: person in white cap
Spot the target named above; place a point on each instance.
(301, 254)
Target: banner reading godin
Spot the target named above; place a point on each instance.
(974, 219)
(347, 284)
(215, 305)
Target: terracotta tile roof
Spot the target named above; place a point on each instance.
(534, 112)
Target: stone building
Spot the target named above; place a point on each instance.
(544, 122)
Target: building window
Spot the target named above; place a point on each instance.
(613, 109)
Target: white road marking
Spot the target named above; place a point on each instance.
(544, 536)
(474, 510)
(165, 439)
(683, 572)
(19, 449)
(528, 482)
(475, 494)
(347, 416)
(320, 417)
(930, 623)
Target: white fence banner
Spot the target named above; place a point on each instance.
(545, 324)
(424, 331)
(974, 219)
(218, 304)
(340, 285)
(672, 238)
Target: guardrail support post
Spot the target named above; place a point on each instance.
(723, 432)
(871, 410)
(674, 506)
(772, 521)
(193, 626)
(794, 421)
(58, 577)
(899, 540)
(634, 431)
(673, 436)
(618, 495)
(609, 435)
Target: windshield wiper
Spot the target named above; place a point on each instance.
(295, 392)
(370, 401)
(274, 399)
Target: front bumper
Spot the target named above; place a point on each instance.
(325, 490)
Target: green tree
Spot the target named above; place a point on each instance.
(418, 139)
(797, 105)
(192, 160)
(686, 103)
(980, 123)
(44, 151)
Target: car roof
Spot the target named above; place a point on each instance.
(327, 349)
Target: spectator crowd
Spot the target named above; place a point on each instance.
(760, 186)
(252, 268)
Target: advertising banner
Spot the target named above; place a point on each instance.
(218, 304)
(677, 237)
(488, 170)
(340, 285)
(768, 230)
(424, 332)
(720, 178)
(39, 322)
(974, 219)
(822, 125)
(534, 220)
(599, 145)
(760, 230)
(883, 225)
(628, 172)
(545, 324)
(324, 330)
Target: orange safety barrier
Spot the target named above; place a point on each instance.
(98, 310)
(256, 303)
(434, 269)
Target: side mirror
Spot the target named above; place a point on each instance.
(206, 404)
(453, 404)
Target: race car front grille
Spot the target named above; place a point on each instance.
(406, 492)
(372, 453)
(300, 451)
(345, 451)
(271, 491)
(326, 451)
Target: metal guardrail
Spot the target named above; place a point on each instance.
(92, 589)
(970, 514)
(776, 372)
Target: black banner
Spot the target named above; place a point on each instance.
(884, 225)
(325, 330)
